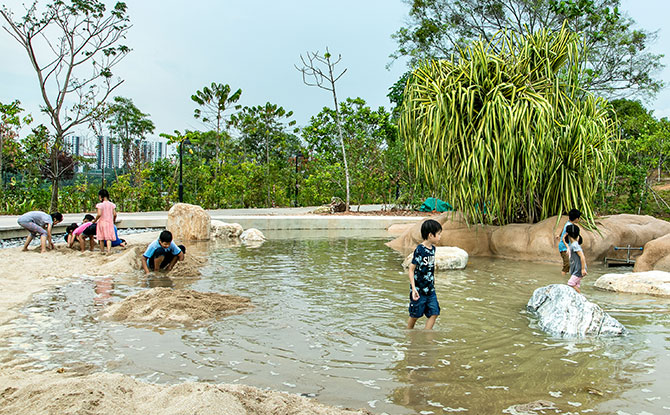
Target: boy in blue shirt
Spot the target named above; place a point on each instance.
(422, 297)
(164, 252)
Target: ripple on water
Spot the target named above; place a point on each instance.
(329, 322)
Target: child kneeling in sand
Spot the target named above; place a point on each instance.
(163, 251)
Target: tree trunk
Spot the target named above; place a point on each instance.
(344, 152)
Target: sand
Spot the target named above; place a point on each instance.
(165, 306)
(69, 391)
(112, 394)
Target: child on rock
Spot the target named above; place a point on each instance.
(577, 258)
(422, 297)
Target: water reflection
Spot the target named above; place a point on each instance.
(329, 322)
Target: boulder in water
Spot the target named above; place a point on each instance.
(650, 283)
(446, 257)
(222, 229)
(562, 311)
(252, 235)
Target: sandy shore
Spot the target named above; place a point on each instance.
(76, 391)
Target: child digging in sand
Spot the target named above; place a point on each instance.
(577, 258)
(164, 252)
(40, 224)
(77, 233)
(422, 297)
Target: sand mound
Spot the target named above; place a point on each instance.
(166, 306)
(112, 394)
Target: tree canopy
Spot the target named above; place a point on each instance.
(615, 61)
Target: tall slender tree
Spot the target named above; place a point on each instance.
(72, 46)
(129, 126)
(319, 71)
(215, 101)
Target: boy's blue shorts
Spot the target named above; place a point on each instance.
(425, 305)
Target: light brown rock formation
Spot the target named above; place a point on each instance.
(446, 258)
(536, 242)
(650, 283)
(656, 255)
(188, 222)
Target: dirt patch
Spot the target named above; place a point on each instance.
(165, 306)
(386, 212)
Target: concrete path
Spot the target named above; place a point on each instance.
(263, 219)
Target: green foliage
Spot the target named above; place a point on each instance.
(616, 61)
(500, 131)
(129, 126)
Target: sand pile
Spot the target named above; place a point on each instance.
(166, 306)
(111, 394)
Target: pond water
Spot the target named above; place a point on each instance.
(329, 322)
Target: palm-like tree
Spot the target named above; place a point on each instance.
(504, 131)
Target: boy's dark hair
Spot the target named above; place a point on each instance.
(572, 231)
(166, 236)
(103, 193)
(574, 214)
(71, 227)
(56, 216)
(88, 217)
(428, 227)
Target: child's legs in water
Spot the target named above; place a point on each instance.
(411, 322)
(575, 282)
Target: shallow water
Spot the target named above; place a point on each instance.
(329, 322)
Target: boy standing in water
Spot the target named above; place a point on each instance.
(573, 218)
(422, 297)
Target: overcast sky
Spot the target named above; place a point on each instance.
(179, 47)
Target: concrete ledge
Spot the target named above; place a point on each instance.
(10, 229)
(316, 221)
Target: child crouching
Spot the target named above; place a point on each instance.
(163, 252)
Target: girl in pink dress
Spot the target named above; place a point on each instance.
(105, 221)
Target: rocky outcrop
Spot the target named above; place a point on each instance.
(222, 229)
(562, 311)
(446, 258)
(188, 222)
(536, 242)
(649, 282)
(655, 256)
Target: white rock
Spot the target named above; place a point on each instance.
(562, 311)
(252, 234)
(222, 229)
(648, 282)
(446, 257)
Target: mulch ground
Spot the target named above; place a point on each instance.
(387, 212)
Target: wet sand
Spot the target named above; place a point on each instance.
(78, 391)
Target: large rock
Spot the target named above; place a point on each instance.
(536, 242)
(649, 282)
(222, 229)
(188, 223)
(562, 311)
(655, 256)
(446, 258)
(474, 239)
